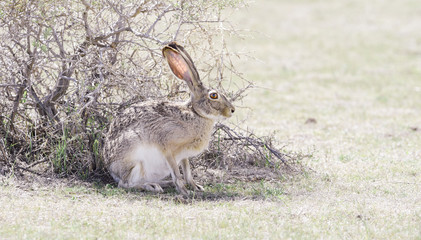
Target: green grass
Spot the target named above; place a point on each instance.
(355, 67)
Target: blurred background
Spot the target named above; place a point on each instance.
(340, 79)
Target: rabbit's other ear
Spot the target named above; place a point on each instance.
(182, 66)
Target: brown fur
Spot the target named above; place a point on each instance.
(174, 127)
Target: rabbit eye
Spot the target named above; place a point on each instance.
(213, 95)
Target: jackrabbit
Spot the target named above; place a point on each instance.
(149, 141)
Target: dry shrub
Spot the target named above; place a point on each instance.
(236, 154)
(66, 67)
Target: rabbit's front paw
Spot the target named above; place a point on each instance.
(181, 187)
(197, 187)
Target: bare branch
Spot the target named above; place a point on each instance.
(167, 10)
(65, 73)
(12, 85)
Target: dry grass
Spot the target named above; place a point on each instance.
(354, 67)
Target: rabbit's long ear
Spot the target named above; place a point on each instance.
(182, 65)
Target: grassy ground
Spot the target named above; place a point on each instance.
(353, 66)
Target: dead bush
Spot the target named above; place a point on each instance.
(66, 67)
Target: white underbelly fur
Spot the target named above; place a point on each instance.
(155, 166)
(153, 162)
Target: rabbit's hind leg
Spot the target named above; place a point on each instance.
(137, 180)
(154, 187)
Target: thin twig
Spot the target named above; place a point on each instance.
(257, 144)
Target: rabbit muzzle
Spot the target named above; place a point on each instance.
(228, 111)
